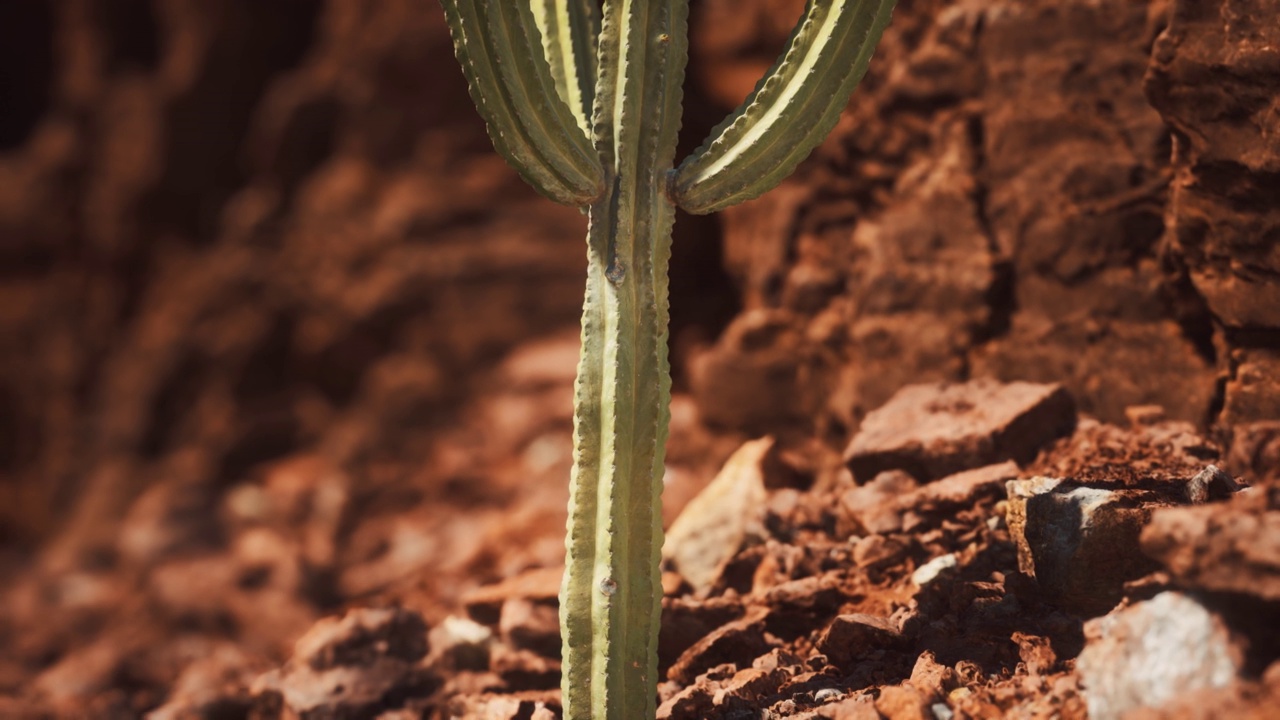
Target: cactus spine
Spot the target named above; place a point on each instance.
(585, 104)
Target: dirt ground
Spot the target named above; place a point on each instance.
(981, 408)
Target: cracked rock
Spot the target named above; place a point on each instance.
(1079, 543)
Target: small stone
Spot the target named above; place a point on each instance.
(215, 683)
(849, 637)
(499, 707)
(1210, 484)
(814, 594)
(1036, 653)
(1147, 654)
(459, 643)
(903, 702)
(931, 570)
(932, 678)
(361, 637)
(750, 684)
(685, 620)
(826, 695)
(1143, 415)
(873, 508)
(934, 430)
(524, 670)
(876, 552)
(961, 489)
(1255, 449)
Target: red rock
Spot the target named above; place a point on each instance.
(691, 703)
(1241, 700)
(212, 684)
(686, 620)
(873, 507)
(931, 431)
(738, 641)
(849, 637)
(1108, 456)
(748, 685)
(522, 670)
(1232, 547)
(502, 707)
(350, 666)
(876, 552)
(932, 679)
(1205, 66)
(903, 702)
(1255, 450)
(763, 351)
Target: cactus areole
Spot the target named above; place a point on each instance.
(584, 102)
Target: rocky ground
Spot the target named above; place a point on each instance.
(976, 416)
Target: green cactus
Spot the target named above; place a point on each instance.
(585, 103)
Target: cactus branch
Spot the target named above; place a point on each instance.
(791, 110)
(500, 49)
(570, 32)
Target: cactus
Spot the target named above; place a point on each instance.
(585, 103)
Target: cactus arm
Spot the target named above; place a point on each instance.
(792, 109)
(500, 50)
(570, 35)
(611, 596)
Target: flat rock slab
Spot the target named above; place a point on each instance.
(937, 429)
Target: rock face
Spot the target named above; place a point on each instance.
(1215, 78)
(1008, 199)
